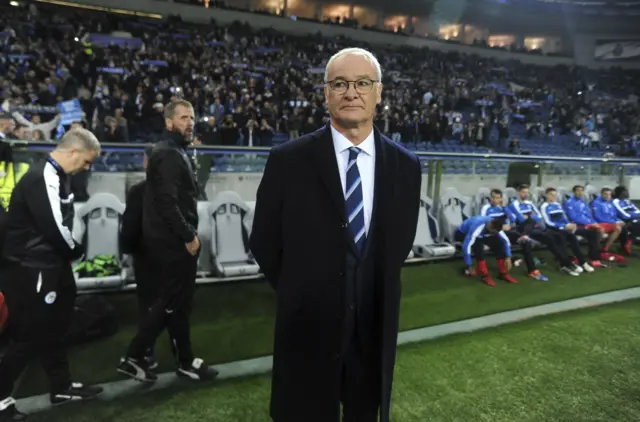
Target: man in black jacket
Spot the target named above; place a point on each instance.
(169, 223)
(130, 244)
(36, 274)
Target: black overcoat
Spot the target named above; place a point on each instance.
(300, 240)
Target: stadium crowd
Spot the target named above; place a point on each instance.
(247, 85)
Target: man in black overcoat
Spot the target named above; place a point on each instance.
(335, 218)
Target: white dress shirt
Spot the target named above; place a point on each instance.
(366, 163)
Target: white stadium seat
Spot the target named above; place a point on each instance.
(591, 192)
(537, 196)
(99, 222)
(230, 236)
(205, 261)
(509, 195)
(563, 194)
(453, 209)
(426, 243)
(97, 225)
(483, 196)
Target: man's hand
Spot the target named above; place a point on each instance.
(193, 246)
(508, 264)
(571, 227)
(620, 223)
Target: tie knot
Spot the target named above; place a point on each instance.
(353, 152)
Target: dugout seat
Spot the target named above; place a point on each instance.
(230, 236)
(425, 244)
(97, 226)
(454, 208)
(591, 192)
(205, 261)
(99, 221)
(509, 195)
(563, 194)
(537, 196)
(483, 196)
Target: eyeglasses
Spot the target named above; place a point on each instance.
(362, 86)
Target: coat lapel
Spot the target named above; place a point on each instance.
(324, 157)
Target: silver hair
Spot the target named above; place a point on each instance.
(354, 51)
(80, 138)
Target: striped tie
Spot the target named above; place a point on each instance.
(353, 200)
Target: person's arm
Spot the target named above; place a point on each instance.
(413, 210)
(544, 210)
(484, 209)
(599, 212)
(266, 234)
(625, 215)
(506, 243)
(467, 245)
(44, 204)
(573, 214)
(131, 229)
(164, 173)
(514, 206)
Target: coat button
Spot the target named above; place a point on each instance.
(352, 306)
(343, 225)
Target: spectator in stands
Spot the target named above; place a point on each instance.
(495, 209)
(528, 221)
(606, 215)
(36, 275)
(556, 220)
(318, 191)
(169, 235)
(627, 212)
(7, 126)
(131, 245)
(478, 231)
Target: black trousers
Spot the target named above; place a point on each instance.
(360, 389)
(477, 249)
(147, 291)
(40, 304)
(527, 249)
(592, 237)
(631, 230)
(169, 309)
(555, 242)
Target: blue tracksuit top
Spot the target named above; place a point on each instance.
(604, 211)
(626, 209)
(474, 228)
(497, 211)
(578, 211)
(554, 215)
(521, 208)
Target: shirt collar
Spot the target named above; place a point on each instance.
(341, 143)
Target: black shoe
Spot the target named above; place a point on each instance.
(138, 370)
(152, 362)
(76, 392)
(197, 371)
(8, 411)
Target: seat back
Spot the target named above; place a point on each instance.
(427, 230)
(509, 195)
(205, 264)
(483, 196)
(229, 241)
(537, 196)
(100, 218)
(453, 210)
(563, 194)
(591, 192)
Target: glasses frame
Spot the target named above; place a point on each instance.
(355, 86)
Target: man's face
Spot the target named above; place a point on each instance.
(523, 193)
(7, 126)
(80, 160)
(496, 199)
(606, 195)
(352, 92)
(182, 122)
(552, 196)
(579, 193)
